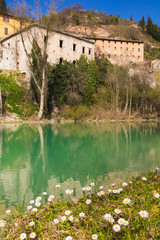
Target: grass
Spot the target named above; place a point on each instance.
(140, 192)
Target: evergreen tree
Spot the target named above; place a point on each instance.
(3, 7)
(149, 26)
(142, 24)
(131, 18)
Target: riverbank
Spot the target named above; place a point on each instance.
(127, 211)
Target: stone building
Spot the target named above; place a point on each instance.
(119, 51)
(61, 46)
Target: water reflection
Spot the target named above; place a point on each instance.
(35, 158)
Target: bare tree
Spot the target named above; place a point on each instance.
(43, 25)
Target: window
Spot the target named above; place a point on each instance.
(6, 31)
(120, 48)
(121, 42)
(127, 48)
(74, 47)
(133, 43)
(121, 57)
(127, 57)
(139, 58)
(109, 48)
(89, 51)
(115, 42)
(60, 43)
(109, 56)
(102, 47)
(83, 50)
(132, 49)
(60, 60)
(5, 19)
(103, 41)
(115, 48)
(138, 49)
(103, 55)
(115, 56)
(108, 41)
(74, 62)
(132, 58)
(95, 47)
(127, 43)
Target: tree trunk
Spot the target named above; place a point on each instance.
(1, 105)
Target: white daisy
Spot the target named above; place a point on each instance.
(32, 235)
(126, 223)
(121, 221)
(69, 238)
(156, 195)
(144, 178)
(37, 204)
(23, 236)
(88, 188)
(84, 189)
(56, 221)
(8, 211)
(58, 186)
(38, 199)
(44, 193)
(117, 211)
(31, 223)
(143, 214)
(126, 200)
(34, 210)
(124, 184)
(92, 184)
(29, 207)
(63, 218)
(116, 228)
(101, 187)
(67, 212)
(102, 193)
(82, 214)
(107, 216)
(94, 236)
(111, 220)
(70, 218)
(88, 201)
(67, 191)
(31, 202)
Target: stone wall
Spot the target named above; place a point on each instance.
(61, 46)
(7, 58)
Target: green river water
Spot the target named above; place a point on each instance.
(35, 158)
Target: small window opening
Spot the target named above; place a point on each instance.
(60, 43)
(83, 50)
(74, 47)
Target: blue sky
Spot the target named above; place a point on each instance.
(124, 8)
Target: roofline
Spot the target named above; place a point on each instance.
(114, 39)
(36, 25)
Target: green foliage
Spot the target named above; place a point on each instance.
(15, 98)
(142, 24)
(153, 29)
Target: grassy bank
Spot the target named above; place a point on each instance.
(128, 211)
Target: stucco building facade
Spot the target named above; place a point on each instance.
(119, 51)
(61, 46)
